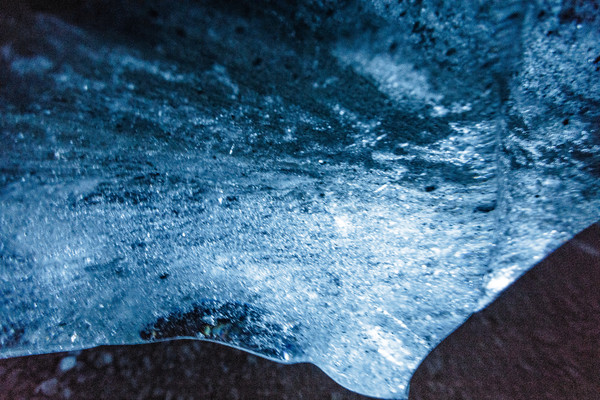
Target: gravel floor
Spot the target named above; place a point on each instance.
(168, 370)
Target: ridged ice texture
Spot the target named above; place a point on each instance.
(336, 184)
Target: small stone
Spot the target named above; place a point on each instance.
(67, 363)
(486, 208)
(107, 358)
(48, 388)
(180, 32)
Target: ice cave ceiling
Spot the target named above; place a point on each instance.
(335, 182)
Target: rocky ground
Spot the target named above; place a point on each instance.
(169, 370)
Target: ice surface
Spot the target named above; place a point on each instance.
(336, 185)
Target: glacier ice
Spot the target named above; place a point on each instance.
(340, 185)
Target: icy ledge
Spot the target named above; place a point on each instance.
(342, 187)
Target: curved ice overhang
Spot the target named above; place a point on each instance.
(341, 185)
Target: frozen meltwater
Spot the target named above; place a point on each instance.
(343, 187)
